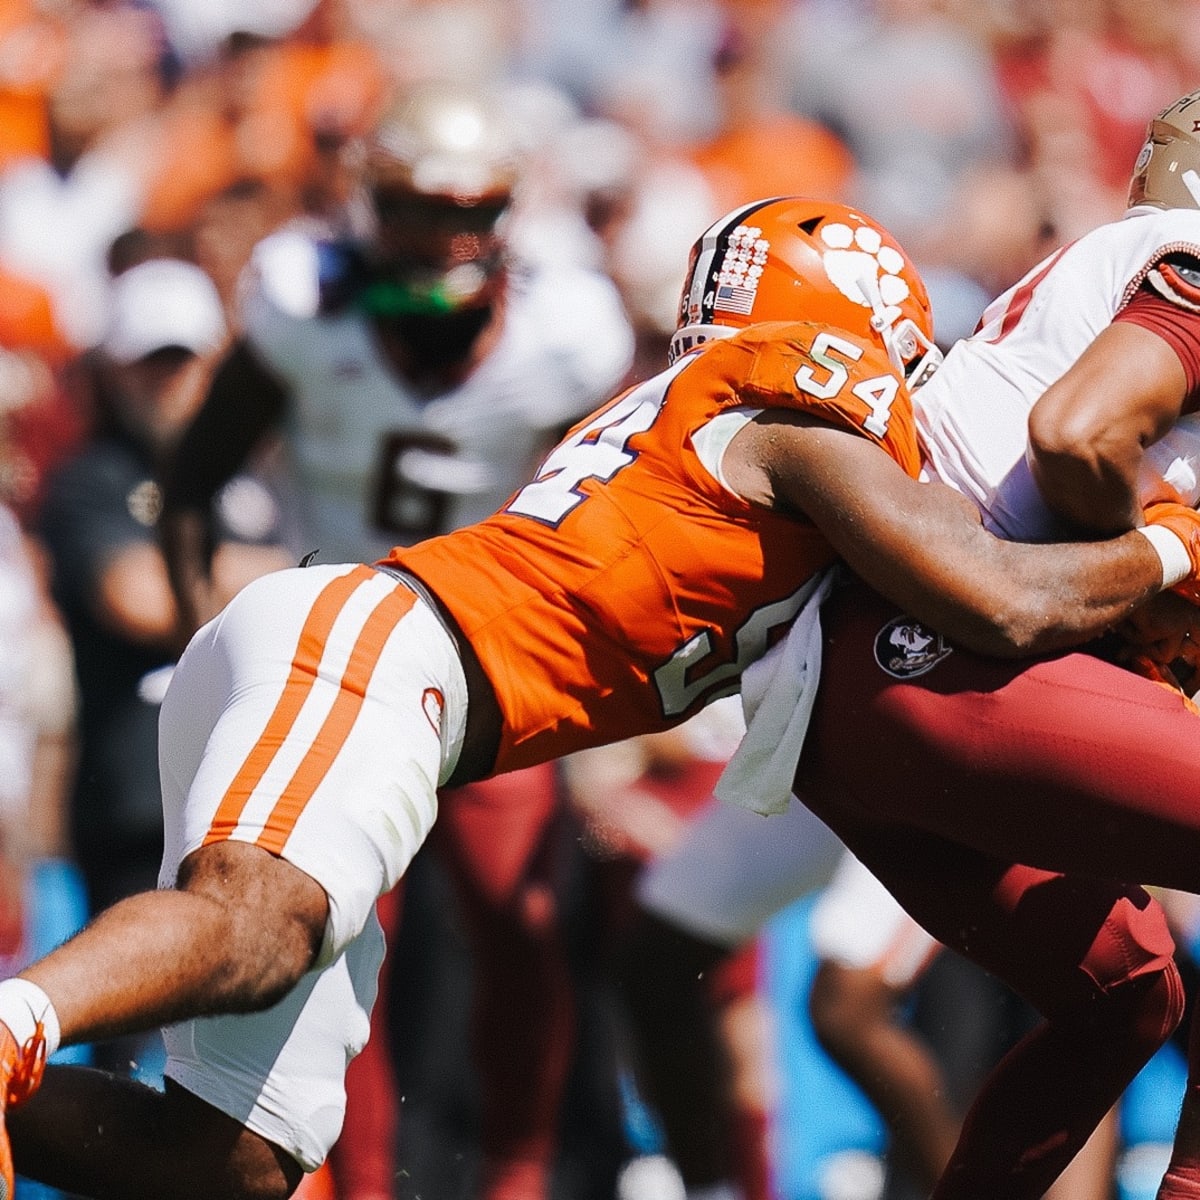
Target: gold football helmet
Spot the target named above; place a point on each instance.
(1167, 171)
(439, 170)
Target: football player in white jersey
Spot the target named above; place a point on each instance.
(1071, 406)
(417, 373)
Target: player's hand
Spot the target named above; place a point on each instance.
(1184, 523)
(1161, 640)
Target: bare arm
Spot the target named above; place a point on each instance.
(244, 401)
(923, 546)
(1088, 432)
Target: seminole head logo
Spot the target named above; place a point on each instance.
(905, 648)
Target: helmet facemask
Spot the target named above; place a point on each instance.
(433, 257)
(909, 349)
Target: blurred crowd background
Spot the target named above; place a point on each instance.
(982, 132)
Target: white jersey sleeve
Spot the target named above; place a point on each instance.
(972, 416)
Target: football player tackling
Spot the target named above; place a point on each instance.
(656, 553)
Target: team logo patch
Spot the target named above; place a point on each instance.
(433, 703)
(905, 648)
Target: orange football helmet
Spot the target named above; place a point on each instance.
(795, 259)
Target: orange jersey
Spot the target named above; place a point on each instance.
(625, 587)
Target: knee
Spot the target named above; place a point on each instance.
(1151, 1007)
(1131, 964)
(263, 922)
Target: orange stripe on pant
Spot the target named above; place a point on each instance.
(329, 740)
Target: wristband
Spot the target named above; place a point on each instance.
(1172, 553)
(23, 1007)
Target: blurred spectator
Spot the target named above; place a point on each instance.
(58, 214)
(760, 148)
(645, 210)
(108, 574)
(198, 31)
(469, 42)
(279, 111)
(912, 93)
(652, 68)
(31, 51)
(1079, 79)
(27, 626)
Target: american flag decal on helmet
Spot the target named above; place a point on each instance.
(734, 299)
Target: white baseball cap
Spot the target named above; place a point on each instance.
(159, 303)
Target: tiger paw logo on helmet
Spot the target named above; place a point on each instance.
(858, 256)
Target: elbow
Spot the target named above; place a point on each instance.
(1014, 629)
(1084, 474)
(1060, 429)
(1061, 451)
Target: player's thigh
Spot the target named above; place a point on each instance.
(1055, 939)
(1066, 762)
(314, 719)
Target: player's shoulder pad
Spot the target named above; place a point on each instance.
(804, 340)
(1176, 277)
(304, 277)
(765, 361)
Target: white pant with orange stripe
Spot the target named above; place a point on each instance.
(316, 717)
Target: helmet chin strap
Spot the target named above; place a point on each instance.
(883, 318)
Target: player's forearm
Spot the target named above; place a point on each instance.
(994, 597)
(1052, 597)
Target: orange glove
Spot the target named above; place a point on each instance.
(1184, 523)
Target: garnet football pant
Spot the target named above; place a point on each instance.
(1014, 808)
